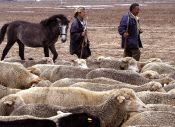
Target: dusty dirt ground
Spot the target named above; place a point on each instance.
(157, 22)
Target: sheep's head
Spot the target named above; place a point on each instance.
(9, 103)
(153, 60)
(129, 63)
(130, 101)
(34, 70)
(150, 74)
(101, 58)
(155, 86)
(172, 92)
(79, 63)
(46, 60)
(165, 79)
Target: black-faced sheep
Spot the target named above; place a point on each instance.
(15, 75)
(72, 120)
(79, 120)
(28, 123)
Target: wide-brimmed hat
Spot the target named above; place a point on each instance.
(79, 9)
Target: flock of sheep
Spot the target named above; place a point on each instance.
(102, 92)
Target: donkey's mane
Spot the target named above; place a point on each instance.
(53, 18)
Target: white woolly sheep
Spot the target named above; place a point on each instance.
(15, 75)
(159, 118)
(161, 68)
(56, 72)
(42, 83)
(39, 68)
(37, 110)
(160, 107)
(29, 63)
(172, 91)
(150, 60)
(127, 63)
(62, 96)
(169, 86)
(115, 107)
(70, 81)
(150, 74)
(156, 98)
(62, 71)
(126, 76)
(4, 91)
(9, 103)
(151, 86)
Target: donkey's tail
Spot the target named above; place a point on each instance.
(2, 32)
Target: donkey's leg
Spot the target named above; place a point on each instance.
(7, 48)
(46, 51)
(21, 49)
(54, 52)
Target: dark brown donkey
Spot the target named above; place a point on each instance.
(43, 34)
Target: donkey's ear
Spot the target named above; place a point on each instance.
(58, 19)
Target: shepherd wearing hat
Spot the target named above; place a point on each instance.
(79, 43)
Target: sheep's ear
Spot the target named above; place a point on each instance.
(124, 60)
(89, 120)
(120, 99)
(9, 103)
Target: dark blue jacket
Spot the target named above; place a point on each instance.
(133, 41)
(75, 36)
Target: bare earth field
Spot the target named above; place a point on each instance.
(157, 21)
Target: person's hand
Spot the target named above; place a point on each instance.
(140, 31)
(125, 35)
(83, 33)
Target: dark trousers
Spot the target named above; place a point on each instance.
(135, 53)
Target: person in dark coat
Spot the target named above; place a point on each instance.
(130, 31)
(79, 43)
